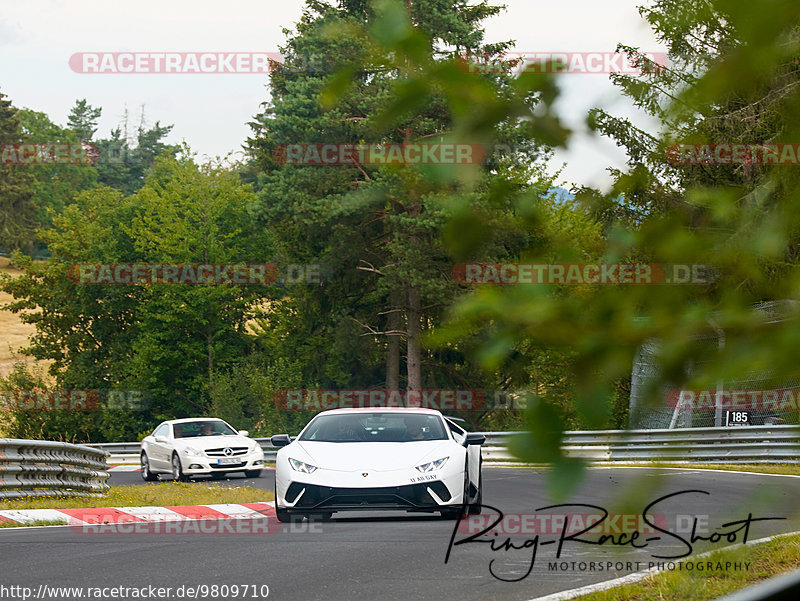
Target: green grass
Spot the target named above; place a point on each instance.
(792, 469)
(766, 560)
(34, 523)
(159, 494)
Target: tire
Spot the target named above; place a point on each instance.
(320, 516)
(146, 474)
(284, 517)
(177, 469)
(475, 508)
(252, 473)
(451, 513)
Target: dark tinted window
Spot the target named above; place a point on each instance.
(375, 427)
(202, 428)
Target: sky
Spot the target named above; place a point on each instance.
(210, 111)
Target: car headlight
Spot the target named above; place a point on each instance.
(192, 451)
(300, 466)
(432, 466)
(256, 448)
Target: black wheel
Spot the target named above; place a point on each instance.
(319, 516)
(146, 474)
(252, 473)
(451, 513)
(177, 469)
(283, 515)
(217, 475)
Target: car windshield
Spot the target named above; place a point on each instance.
(202, 428)
(375, 427)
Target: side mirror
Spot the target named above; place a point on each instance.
(244, 433)
(475, 438)
(280, 440)
(160, 438)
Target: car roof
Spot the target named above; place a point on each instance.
(416, 410)
(194, 419)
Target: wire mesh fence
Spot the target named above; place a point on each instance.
(754, 398)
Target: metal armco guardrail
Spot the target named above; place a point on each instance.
(745, 444)
(41, 468)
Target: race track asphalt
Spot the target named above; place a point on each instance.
(398, 556)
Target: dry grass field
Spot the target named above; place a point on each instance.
(13, 333)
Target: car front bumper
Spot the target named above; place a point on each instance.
(202, 466)
(353, 491)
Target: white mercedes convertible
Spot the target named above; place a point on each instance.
(389, 458)
(199, 447)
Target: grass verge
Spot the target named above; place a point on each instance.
(34, 523)
(765, 560)
(791, 469)
(160, 494)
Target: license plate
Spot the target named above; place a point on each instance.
(227, 460)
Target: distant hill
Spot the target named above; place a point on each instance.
(560, 195)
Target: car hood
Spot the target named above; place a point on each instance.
(375, 456)
(213, 442)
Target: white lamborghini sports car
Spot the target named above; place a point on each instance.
(386, 458)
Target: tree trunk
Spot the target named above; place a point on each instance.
(393, 341)
(413, 362)
(210, 355)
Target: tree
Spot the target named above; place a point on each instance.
(191, 214)
(378, 228)
(83, 120)
(56, 184)
(125, 165)
(17, 208)
(735, 80)
(169, 341)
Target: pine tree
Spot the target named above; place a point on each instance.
(378, 227)
(83, 120)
